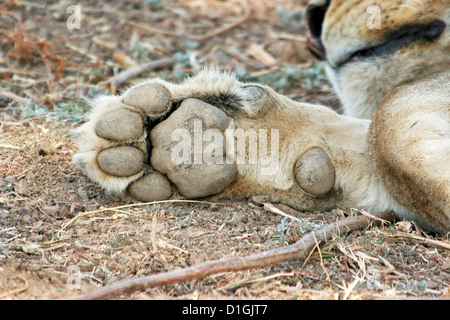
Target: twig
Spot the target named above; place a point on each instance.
(436, 243)
(286, 36)
(321, 260)
(390, 267)
(245, 16)
(151, 29)
(349, 289)
(232, 286)
(18, 290)
(12, 96)
(8, 146)
(66, 224)
(308, 256)
(153, 235)
(135, 71)
(271, 208)
(297, 251)
(365, 213)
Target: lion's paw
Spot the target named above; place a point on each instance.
(148, 146)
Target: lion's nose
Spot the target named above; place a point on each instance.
(315, 14)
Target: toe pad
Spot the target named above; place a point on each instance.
(314, 172)
(123, 161)
(120, 125)
(151, 187)
(153, 99)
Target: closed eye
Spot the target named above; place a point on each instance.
(399, 39)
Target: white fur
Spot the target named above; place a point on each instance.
(90, 145)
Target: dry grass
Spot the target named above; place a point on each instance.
(62, 236)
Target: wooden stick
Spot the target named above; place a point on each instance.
(135, 71)
(271, 208)
(151, 29)
(296, 251)
(436, 243)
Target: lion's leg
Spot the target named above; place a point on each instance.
(117, 151)
(410, 142)
(215, 136)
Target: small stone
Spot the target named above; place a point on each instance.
(31, 248)
(404, 226)
(4, 214)
(22, 188)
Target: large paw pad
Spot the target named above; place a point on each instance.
(183, 150)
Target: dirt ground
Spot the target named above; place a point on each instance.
(62, 236)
